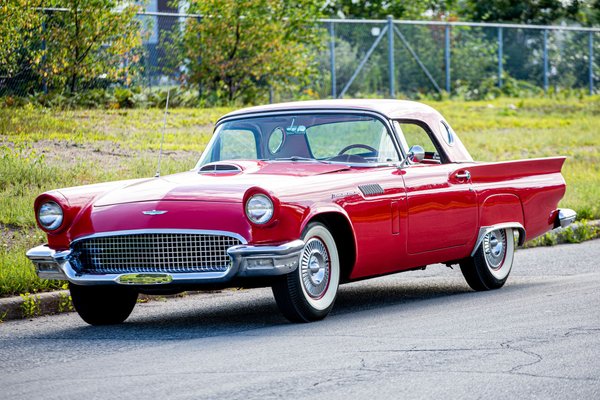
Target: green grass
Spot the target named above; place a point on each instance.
(43, 149)
(187, 129)
(17, 274)
(537, 128)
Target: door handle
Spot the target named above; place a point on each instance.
(464, 175)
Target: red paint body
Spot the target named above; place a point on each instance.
(425, 214)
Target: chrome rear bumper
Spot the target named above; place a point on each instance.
(246, 261)
(564, 217)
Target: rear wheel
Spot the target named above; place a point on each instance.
(103, 305)
(308, 293)
(491, 264)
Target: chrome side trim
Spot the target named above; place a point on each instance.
(565, 217)
(150, 231)
(247, 261)
(484, 230)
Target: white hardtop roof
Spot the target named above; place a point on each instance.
(391, 109)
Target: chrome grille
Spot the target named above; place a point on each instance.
(153, 252)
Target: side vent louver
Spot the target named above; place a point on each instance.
(372, 189)
(219, 169)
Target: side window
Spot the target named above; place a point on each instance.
(236, 144)
(413, 134)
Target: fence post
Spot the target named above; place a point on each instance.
(591, 61)
(332, 59)
(390, 22)
(200, 85)
(546, 61)
(500, 57)
(44, 79)
(447, 57)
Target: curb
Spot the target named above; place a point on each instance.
(29, 306)
(47, 303)
(34, 305)
(577, 232)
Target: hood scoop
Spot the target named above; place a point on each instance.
(220, 168)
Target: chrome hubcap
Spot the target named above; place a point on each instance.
(315, 268)
(494, 247)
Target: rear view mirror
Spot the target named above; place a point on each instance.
(416, 153)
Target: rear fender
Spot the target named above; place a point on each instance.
(501, 211)
(500, 208)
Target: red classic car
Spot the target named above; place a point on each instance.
(300, 197)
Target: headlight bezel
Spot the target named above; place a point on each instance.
(267, 201)
(56, 210)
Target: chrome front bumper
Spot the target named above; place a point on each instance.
(246, 261)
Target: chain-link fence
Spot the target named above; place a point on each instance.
(359, 58)
(391, 57)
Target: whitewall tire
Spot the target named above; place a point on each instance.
(308, 294)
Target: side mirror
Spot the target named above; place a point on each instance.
(415, 154)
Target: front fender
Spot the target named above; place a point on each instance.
(315, 211)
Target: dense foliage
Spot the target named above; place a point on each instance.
(20, 30)
(93, 41)
(254, 51)
(240, 50)
(585, 12)
(75, 43)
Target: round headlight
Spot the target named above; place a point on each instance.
(50, 216)
(259, 209)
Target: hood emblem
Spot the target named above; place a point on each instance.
(154, 212)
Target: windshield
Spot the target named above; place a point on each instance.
(344, 138)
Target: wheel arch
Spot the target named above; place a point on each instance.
(345, 240)
(484, 230)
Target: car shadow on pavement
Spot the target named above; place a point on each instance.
(208, 317)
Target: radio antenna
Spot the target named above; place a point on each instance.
(162, 140)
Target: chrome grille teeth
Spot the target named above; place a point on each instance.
(154, 252)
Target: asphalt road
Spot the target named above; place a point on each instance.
(413, 335)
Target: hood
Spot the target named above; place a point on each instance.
(220, 182)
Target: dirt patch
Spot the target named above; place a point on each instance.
(13, 236)
(105, 153)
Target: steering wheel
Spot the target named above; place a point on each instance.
(358, 146)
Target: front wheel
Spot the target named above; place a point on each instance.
(103, 305)
(308, 293)
(491, 264)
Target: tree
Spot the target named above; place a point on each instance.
(239, 49)
(589, 12)
(95, 39)
(378, 9)
(20, 29)
(522, 11)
